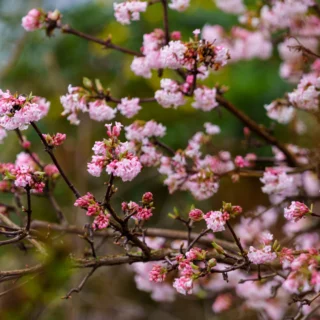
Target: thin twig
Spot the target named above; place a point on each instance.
(166, 20)
(48, 149)
(81, 285)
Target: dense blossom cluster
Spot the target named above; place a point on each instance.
(18, 111)
(129, 10)
(24, 173)
(139, 212)
(115, 156)
(89, 203)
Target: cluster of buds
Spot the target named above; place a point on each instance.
(38, 19)
(138, 212)
(158, 273)
(89, 203)
(55, 140)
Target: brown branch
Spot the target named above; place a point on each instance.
(106, 43)
(12, 225)
(236, 239)
(251, 124)
(81, 285)
(35, 160)
(48, 149)
(166, 20)
(201, 234)
(150, 232)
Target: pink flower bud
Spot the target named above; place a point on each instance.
(176, 35)
(26, 144)
(147, 197)
(196, 215)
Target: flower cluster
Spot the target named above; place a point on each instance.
(261, 256)
(18, 111)
(115, 156)
(129, 10)
(24, 173)
(296, 211)
(277, 181)
(189, 271)
(304, 273)
(89, 203)
(216, 220)
(170, 95)
(205, 99)
(33, 20)
(139, 212)
(55, 140)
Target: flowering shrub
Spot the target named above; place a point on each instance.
(226, 254)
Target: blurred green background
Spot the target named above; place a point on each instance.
(45, 66)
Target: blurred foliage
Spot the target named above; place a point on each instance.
(45, 66)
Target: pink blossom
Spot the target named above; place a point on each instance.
(179, 5)
(147, 197)
(296, 211)
(139, 131)
(196, 254)
(101, 221)
(51, 169)
(73, 102)
(129, 107)
(212, 129)
(176, 35)
(196, 215)
(222, 303)
(25, 144)
(170, 95)
(216, 220)
(55, 140)
(276, 180)
(213, 34)
(306, 96)
(127, 168)
(283, 14)
(25, 159)
(231, 6)
(140, 67)
(205, 99)
(172, 55)
(95, 167)
(129, 10)
(240, 162)
(25, 177)
(33, 20)
(183, 285)
(157, 274)
(17, 112)
(100, 111)
(286, 256)
(143, 214)
(261, 256)
(281, 113)
(85, 201)
(246, 45)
